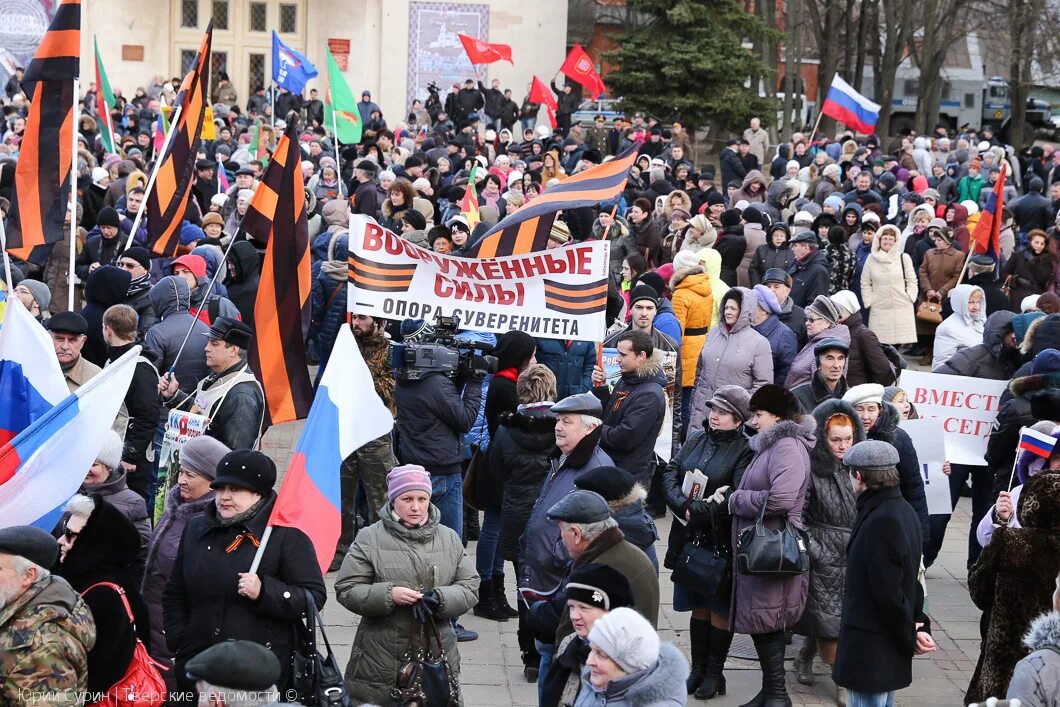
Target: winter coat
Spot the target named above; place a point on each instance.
(816, 392)
(731, 245)
(889, 291)
(636, 523)
(1027, 274)
(722, 455)
(145, 313)
(244, 274)
(433, 415)
(660, 686)
(116, 492)
(769, 256)
(911, 482)
(647, 238)
(809, 278)
(987, 360)
(46, 632)
(777, 476)
(841, 274)
(960, 330)
(754, 238)
(1014, 580)
(98, 249)
(829, 517)
(518, 460)
(106, 286)
(866, 362)
(882, 600)
(171, 298)
(633, 415)
(161, 554)
(389, 554)
(782, 342)
(328, 296)
(711, 260)
(238, 420)
(201, 604)
(993, 296)
(1036, 679)
(666, 321)
(138, 416)
(106, 551)
(542, 556)
(571, 361)
(794, 317)
(805, 362)
(939, 270)
(693, 304)
(1024, 395)
(737, 356)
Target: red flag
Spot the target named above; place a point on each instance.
(540, 93)
(987, 235)
(579, 67)
(480, 52)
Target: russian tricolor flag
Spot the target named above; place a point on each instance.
(45, 464)
(346, 414)
(850, 108)
(31, 381)
(1037, 442)
(222, 178)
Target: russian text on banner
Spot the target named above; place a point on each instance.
(555, 294)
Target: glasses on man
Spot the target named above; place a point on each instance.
(129, 264)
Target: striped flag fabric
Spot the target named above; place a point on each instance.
(576, 299)
(527, 229)
(169, 199)
(31, 381)
(40, 196)
(469, 204)
(104, 102)
(346, 415)
(277, 216)
(222, 178)
(850, 108)
(986, 238)
(1037, 442)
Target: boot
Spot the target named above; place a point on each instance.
(714, 681)
(500, 599)
(487, 604)
(770, 647)
(804, 663)
(471, 524)
(699, 635)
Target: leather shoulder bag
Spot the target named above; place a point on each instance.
(772, 552)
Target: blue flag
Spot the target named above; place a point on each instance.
(290, 69)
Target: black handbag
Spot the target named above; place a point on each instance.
(768, 552)
(425, 678)
(317, 678)
(706, 571)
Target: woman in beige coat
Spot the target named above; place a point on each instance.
(889, 289)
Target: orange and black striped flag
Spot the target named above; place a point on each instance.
(527, 229)
(277, 216)
(168, 201)
(576, 299)
(380, 277)
(41, 193)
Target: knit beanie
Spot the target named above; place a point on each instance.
(686, 259)
(107, 216)
(730, 218)
(767, 300)
(109, 454)
(627, 638)
(514, 348)
(202, 455)
(847, 300)
(42, 294)
(824, 308)
(410, 477)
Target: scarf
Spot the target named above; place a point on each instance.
(140, 285)
(337, 270)
(246, 515)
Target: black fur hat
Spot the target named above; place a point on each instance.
(776, 400)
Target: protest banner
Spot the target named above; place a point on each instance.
(664, 442)
(559, 293)
(929, 440)
(966, 406)
(180, 427)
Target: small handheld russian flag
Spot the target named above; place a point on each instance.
(1036, 442)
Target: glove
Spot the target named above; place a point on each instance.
(426, 607)
(719, 495)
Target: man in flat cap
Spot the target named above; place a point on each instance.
(69, 332)
(541, 567)
(46, 629)
(883, 623)
(236, 672)
(230, 396)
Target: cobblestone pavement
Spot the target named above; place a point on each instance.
(492, 670)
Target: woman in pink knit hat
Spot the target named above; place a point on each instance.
(399, 571)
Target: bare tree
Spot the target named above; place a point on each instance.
(896, 29)
(944, 22)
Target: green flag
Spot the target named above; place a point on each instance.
(104, 103)
(340, 109)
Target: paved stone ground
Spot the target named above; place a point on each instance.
(492, 670)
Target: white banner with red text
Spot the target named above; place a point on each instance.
(967, 407)
(560, 293)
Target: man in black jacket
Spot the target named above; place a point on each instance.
(828, 381)
(732, 168)
(493, 100)
(567, 102)
(634, 411)
(1033, 209)
(809, 272)
(365, 198)
(883, 623)
(792, 315)
(139, 412)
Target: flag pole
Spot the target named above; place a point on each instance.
(261, 549)
(820, 114)
(75, 111)
(7, 258)
(335, 138)
(154, 175)
(997, 224)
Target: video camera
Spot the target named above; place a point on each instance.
(441, 351)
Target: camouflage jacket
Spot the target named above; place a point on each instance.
(376, 352)
(45, 636)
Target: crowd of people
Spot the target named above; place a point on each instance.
(761, 310)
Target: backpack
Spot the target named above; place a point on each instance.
(141, 685)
